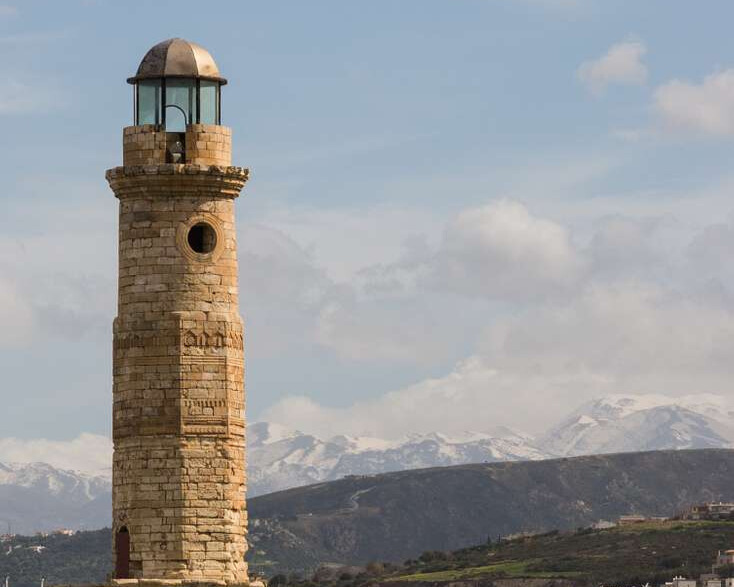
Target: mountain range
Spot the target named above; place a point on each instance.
(37, 496)
(281, 458)
(397, 516)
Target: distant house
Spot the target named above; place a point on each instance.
(725, 557)
(639, 519)
(38, 549)
(710, 511)
(631, 519)
(64, 532)
(681, 582)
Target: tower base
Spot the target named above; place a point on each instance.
(179, 583)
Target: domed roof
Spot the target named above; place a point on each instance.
(178, 58)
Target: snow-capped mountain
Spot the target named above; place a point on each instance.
(44, 477)
(280, 458)
(624, 423)
(38, 497)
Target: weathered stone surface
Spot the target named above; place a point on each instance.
(203, 144)
(178, 392)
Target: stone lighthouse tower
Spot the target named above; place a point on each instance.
(179, 512)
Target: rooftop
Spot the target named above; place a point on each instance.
(178, 58)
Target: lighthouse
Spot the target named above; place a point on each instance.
(179, 512)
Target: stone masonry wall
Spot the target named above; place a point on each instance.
(206, 144)
(143, 145)
(178, 391)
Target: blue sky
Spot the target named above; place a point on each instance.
(492, 204)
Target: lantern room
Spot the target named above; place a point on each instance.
(177, 84)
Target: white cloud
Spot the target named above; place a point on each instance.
(706, 108)
(435, 404)
(345, 240)
(402, 311)
(58, 293)
(6, 10)
(643, 317)
(88, 453)
(628, 246)
(533, 367)
(502, 251)
(16, 316)
(281, 291)
(621, 64)
(418, 330)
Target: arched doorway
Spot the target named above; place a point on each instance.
(122, 549)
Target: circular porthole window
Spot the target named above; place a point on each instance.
(202, 238)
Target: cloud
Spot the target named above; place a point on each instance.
(413, 330)
(706, 108)
(643, 316)
(401, 311)
(6, 10)
(621, 64)
(423, 407)
(625, 338)
(16, 316)
(628, 246)
(502, 251)
(281, 288)
(88, 453)
(55, 293)
(346, 240)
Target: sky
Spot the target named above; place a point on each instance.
(461, 213)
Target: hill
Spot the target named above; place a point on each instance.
(626, 555)
(395, 516)
(42, 497)
(39, 497)
(82, 558)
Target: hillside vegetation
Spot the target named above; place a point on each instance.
(396, 516)
(629, 555)
(83, 558)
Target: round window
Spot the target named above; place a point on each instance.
(202, 238)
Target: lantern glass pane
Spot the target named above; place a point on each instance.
(149, 101)
(209, 102)
(180, 104)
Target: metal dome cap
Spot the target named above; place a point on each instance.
(178, 58)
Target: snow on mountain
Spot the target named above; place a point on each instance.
(42, 476)
(624, 423)
(87, 453)
(280, 459)
(38, 497)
